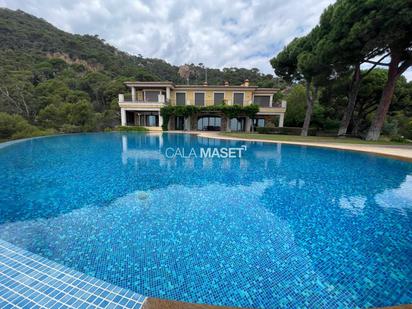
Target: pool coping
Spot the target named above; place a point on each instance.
(28, 280)
(388, 151)
(383, 150)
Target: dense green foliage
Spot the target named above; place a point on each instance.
(328, 60)
(131, 129)
(15, 126)
(295, 112)
(69, 83)
(333, 99)
(230, 111)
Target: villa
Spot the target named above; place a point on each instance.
(143, 107)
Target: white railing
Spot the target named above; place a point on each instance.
(142, 102)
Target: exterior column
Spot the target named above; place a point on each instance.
(186, 126)
(133, 94)
(123, 116)
(160, 120)
(281, 120)
(167, 95)
(247, 124)
(271, 101)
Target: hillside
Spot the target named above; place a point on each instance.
(33, 39)
(66, 82)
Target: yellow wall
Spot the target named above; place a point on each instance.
(209, 97)
(139, 95)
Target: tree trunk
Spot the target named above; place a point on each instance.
(356, 121)
(310, 99)
(356, 125)
(353, 93)
(377, 123)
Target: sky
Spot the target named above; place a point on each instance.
(217, 33)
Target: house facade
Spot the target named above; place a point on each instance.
(142, 106)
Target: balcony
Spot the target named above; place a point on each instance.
(206, 102)
(128, 102)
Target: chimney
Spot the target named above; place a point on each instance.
(246, 83)
(226, 83)
(205, 83)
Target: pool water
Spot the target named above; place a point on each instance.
(283, 226)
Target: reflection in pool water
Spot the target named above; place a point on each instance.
(281, 226)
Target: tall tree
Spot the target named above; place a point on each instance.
(299, 61)
(348, 43)
(286, 65)
(393, 22)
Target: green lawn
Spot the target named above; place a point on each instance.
(311, 139)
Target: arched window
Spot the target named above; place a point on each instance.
(237, 124)
(209, 123)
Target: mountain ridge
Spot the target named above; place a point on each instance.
(19, 29)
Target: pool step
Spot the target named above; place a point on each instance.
(28, 280)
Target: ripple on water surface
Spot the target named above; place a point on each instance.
(281, 226)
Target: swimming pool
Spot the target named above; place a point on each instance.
(282, 226)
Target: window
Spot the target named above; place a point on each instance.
(199, 98)
(263, 101)
(237, 124)
(152, 96)
(207, 123)
(218, 98)
(180, 122)
(238, 98)
(147, 119)
(259, 123)
(151, 121)
(180, 98)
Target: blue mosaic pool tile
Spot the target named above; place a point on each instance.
(284, 226)
(30, 281)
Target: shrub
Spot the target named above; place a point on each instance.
(15, 126)
(399, 139)
(12, 124)
(109, 119)
(70, 128)
(131, 128)
(284, 130)
(73, 117)
(51, 117)
(32, 133)
(391, 127)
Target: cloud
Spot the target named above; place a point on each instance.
(218, 33)
(408, 74)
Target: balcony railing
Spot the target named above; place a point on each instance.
(207, 103)
(144, 102)
(123, 99)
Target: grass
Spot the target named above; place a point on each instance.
(312, 139)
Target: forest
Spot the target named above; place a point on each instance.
(350, 66)
(52, 81)
(345, 77)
